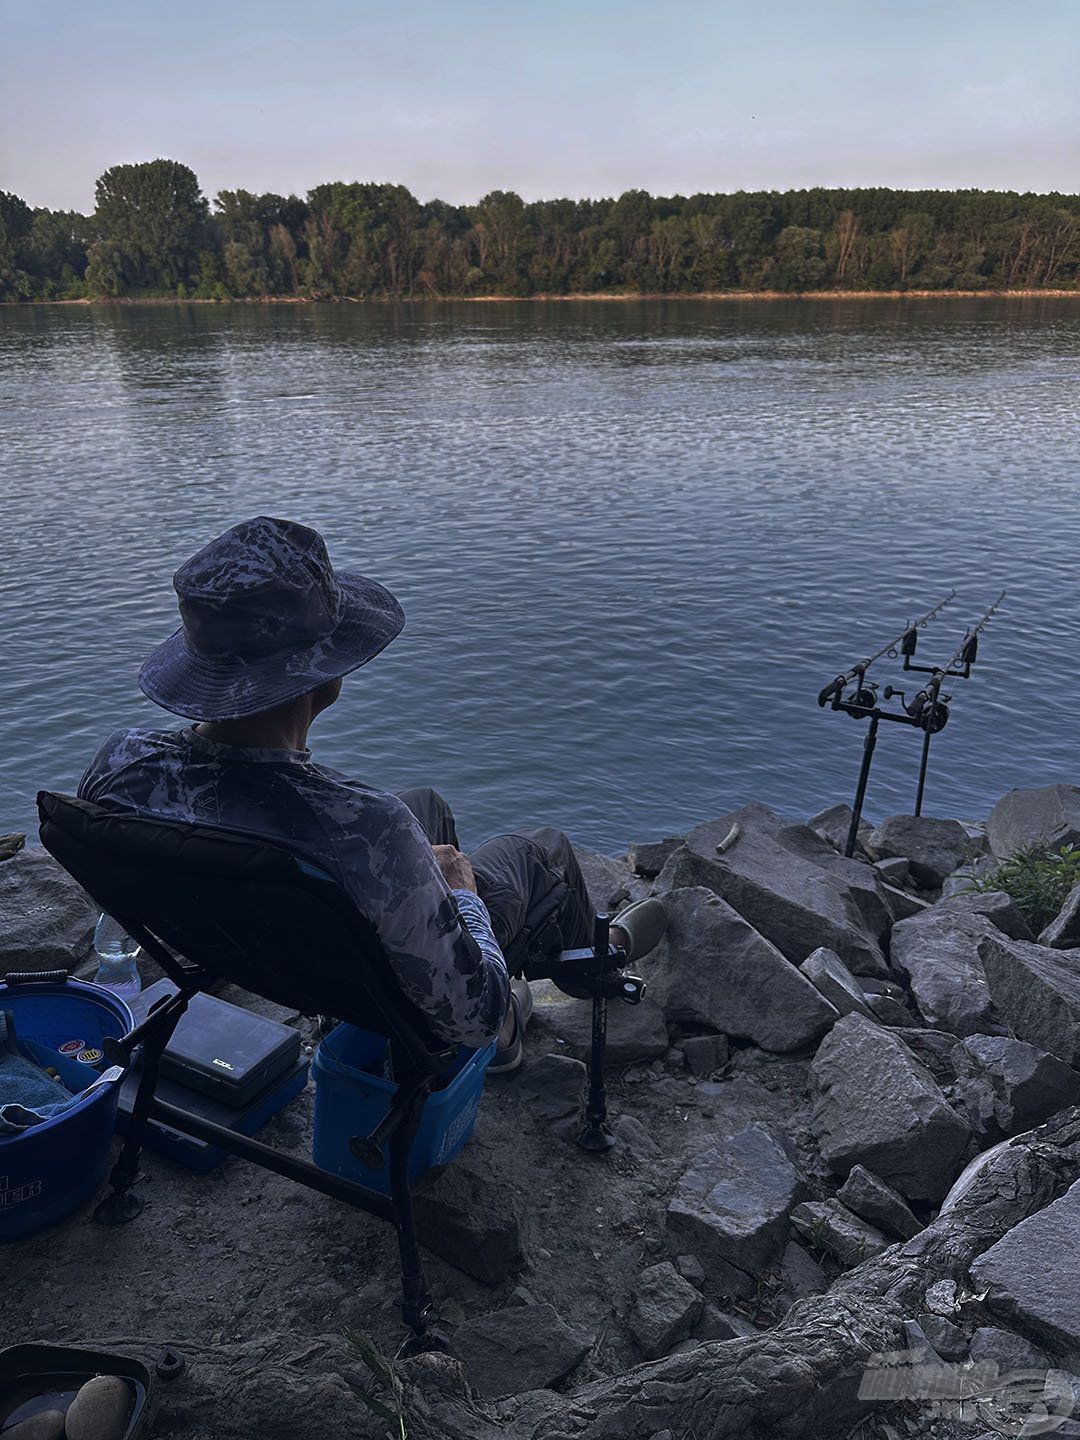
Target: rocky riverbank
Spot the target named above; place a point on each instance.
(847, 1184)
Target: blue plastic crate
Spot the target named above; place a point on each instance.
(352, 1095)
(50, 1169)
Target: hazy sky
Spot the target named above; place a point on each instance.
(549, 97)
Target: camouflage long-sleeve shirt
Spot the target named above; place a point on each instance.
(439, 941)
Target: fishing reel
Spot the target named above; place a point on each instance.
(930, 712)
(864, 696)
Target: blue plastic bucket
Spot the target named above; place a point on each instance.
(352, 1096)
(50, 1169)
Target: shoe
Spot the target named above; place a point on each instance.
(508, 1057)
(644, 924)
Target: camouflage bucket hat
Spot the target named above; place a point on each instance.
(266, 618)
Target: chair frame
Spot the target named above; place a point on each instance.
(87, 840)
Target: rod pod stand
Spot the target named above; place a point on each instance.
(596, 1134)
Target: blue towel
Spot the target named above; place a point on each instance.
(27, 1095)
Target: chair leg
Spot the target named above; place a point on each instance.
(417, 1305)
(122, 1204)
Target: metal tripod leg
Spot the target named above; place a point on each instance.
(122, 1204)
(597, 1134)
(417, 1305)
(860, 792)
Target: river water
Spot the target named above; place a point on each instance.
(633, 540)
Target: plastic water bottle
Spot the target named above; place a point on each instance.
(117, 954)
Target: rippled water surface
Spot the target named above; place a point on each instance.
(632, 540)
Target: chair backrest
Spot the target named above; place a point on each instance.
(238, 908)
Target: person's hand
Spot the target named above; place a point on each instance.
(456, 868)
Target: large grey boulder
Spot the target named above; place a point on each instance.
(1036, 991)
(828, 973)
(1063, 932)
(833, 825)
(938, 954)
(867, 1195)
(789, 883)
(1030, 1274)
(1006, 1350)
(876, 1105)
(650, 856)
(830, 1226)
(933, 848)
(522, 1347)
(714, 971)
(1047, 818)
(664, 1310)
(993, 905)
(1025, 1084)
(46, 920)
(731, 1207)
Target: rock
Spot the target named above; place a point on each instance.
(894, 871)
(877, 1106)
(552, 1086)
(828, 973)
(830, 1226)
(11, 845)
(1036, 990)
(1030, 1274)
(609, 881)
(717, 1324)
(100, 1410)
(469, 1218)
(1046, 818)
(525, 1347)
(932, 848)
(918, 1346)
(1028, 1085)
(715, 971)
(833, 825)
(634, 1032)
(650, 858)
(948, 1339)
(941, 1298)
(869, 1197)
(732, 1204)
(704, 1053)
(994, 905)
(960, 881)
(46, 920)
(45, 1425)
(631, 1134)
(935, 1050)
(889, 1011)
(790, 884)
(691, 1270)
(1063, 932)
(1006, 1350)
(664, 1310)
(800, 1273)
(938, 954)
(903, 905)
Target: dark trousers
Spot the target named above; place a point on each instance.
(530, 882)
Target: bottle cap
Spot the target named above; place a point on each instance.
(72, 1047)
(90, 1056)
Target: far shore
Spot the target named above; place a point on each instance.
(605, 295)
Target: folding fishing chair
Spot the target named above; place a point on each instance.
(212, 905)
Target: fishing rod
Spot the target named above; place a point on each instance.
(928, 710)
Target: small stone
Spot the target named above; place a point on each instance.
(11, 845)
(800, 1273)
(1007, 1351)
(889, 1011)
(664, 1310)
(941, 1298)
(519, 1295)
(650, 858)
(552, 1086)
(829, 1226)
(100, 1411)
(1063, 932)
(470, 1219)
(705, 1053)
(524, 1347)
(877, 1202)
(691, 1270)
(46, 1425)
(948, 1339)
(828, 974)
(717, 1324)
(895, 870)
(631, 1133)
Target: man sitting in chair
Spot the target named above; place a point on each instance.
(268, 630)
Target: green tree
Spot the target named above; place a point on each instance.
(156, 217)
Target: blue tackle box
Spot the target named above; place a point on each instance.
(353, 1093)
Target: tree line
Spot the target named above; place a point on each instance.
(153, 233)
